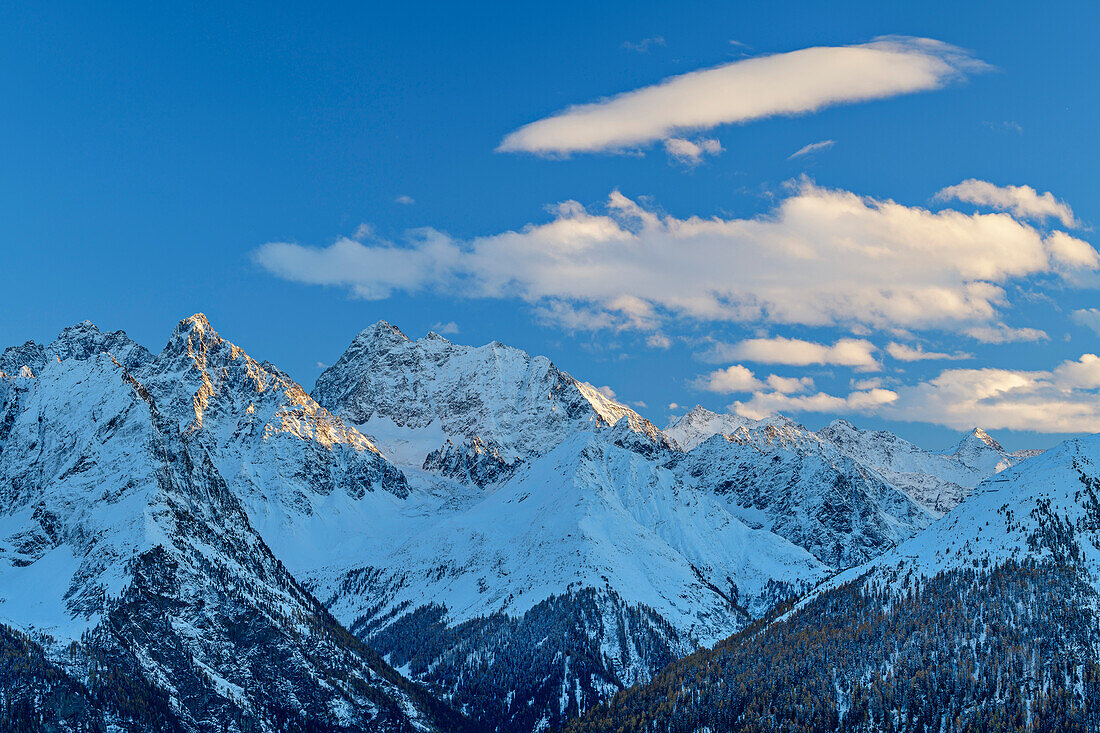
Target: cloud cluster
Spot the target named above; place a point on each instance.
(1065, 399)
(822, 257)
(739, 378)
(791, 83)
(999, 333)
(1023, 201)
(904, 352)
(691, 152)
(1087, 317)
(736, 378)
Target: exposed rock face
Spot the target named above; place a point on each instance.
(841, 512)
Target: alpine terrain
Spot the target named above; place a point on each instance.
(439, 537)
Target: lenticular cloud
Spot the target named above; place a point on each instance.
(791, 83)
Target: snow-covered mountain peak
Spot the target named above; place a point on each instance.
(84, 340)
(199, 371)
(499, 401)
(986, 438)
(195, 322)
(699, 424)
(15, 358)
(79, 341)
(981, 452)
(382, 332)
(936, 480)
(976, 439)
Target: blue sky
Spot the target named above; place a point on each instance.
(148, 155)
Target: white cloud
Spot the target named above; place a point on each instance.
(644, 45)
(790, 385)
(1023, 201)
(673, 406)
(658, 341)
(858, 353)
(639, 404)
(605, 391)
(406, 200)
(811, 148)
(765, 404)
(821, 257)
(1071, 252)
(797, 82)
(736, 378)
(691, 152)
(447, 329)
(1087, 317)
(904, 352)
(1065, 399)
(999, 333)
(363, 231)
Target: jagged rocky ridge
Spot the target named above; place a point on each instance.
(502, 532)
(127, 555)
(937, 480)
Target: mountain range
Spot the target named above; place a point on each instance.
(446, 537)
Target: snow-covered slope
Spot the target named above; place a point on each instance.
(587, 570)
(1044, 509)
(454, 405)
(588, 514)
(577, 513)
(126, 553)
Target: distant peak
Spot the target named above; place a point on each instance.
(84, 340)
(78, 330)
(694, 415)
(194, 330)
(433, 336)
(196, 322)
(842, 424)
(14, 358)
(986, 438)
(382, 331)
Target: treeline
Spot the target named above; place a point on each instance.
(39, 695)
(1013, 648)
